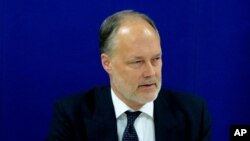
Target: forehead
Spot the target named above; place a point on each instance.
(132, 24)
(137, 38)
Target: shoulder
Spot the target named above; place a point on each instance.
(179, 96)
(75, 102)
(87, 95)
(187, 112)
(182, 101)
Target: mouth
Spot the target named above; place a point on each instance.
(149, 85)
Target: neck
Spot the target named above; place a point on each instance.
(131, 104)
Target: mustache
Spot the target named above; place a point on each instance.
(149, 81)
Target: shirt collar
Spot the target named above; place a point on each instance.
(121, 107)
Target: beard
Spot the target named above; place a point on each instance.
(132, 92)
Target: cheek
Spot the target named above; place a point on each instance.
(132, 77)
(159, 70)
(128, 75)
(159, 73)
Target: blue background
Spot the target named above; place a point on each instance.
(49, 48)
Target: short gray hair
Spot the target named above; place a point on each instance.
(111, 25)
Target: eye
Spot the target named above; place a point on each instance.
(137, 62)
(157, 58)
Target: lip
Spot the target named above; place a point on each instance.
(148, 85)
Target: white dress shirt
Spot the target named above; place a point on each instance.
(144, 124)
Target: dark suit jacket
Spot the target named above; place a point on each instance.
(91, 117)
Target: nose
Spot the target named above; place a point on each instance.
(149, 70)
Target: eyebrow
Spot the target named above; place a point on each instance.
(140, 57)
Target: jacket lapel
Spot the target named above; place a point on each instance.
(102, 125)
(166, 125)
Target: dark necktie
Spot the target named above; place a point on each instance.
(129, 132)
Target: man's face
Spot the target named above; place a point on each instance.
(136, 63)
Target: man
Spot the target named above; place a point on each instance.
(134, 107)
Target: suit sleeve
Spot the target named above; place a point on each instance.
(61, 129)
(206, 124)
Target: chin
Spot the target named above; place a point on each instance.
(149, 97)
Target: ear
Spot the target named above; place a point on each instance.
(106, 63)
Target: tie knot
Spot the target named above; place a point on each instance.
(131, 116)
